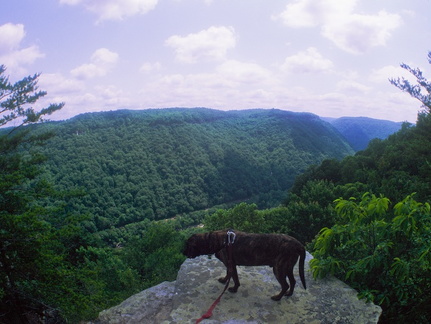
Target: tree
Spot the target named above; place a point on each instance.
(416, 90)
(383, 252)
(243, 217)
(23, 227)
(156, 255)
(16, 100)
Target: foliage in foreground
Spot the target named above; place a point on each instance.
(383, 252)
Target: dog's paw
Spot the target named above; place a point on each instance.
(276, 297)
(233, 289)
(222, 280)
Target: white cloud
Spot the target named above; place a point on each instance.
(114, 9)
(70, 2)
(150, 67)
(88, 71)
(243, 73)
(80, 96)
(351, 32)
(58, 84)
(102, 61)
(211, 44)
(352, 87)
(385, 73)
(231, 84)
(359, 33)
(11, 53)
(10, 37)
(104, 56)
(312, 13)
(308, 61)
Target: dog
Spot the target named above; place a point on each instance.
(279, 251)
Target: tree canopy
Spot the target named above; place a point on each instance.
(157, 164)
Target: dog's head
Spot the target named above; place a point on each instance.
(192, 247)
(202, 244)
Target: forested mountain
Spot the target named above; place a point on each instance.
(155, 164)
(359, 131)
(393, 167)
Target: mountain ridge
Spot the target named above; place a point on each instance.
(359, 131)
(159, 163)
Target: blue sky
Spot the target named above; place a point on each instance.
(332, 58)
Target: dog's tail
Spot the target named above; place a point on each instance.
(301, 267)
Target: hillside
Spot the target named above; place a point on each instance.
(359, 131)
(384, 218)
(155, 164)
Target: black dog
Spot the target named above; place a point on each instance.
(275, 250)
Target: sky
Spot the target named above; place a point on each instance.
(332, 58)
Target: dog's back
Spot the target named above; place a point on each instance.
(263, 249)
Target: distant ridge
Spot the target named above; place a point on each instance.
(359, 131)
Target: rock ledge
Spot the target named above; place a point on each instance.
(186, 299)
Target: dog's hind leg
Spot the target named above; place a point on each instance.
(291, 277)
(280, 274)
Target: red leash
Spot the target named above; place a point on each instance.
(209, 312)
(230, 241)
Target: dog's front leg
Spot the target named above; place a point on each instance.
(222, 259)
(234, 289)
(234, 276)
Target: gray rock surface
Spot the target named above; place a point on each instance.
(196, 288)
(152, 305)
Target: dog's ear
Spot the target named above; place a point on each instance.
(193, 246)
(189, 247)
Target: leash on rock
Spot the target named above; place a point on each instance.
(230, 240)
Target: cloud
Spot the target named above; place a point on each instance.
(385, 73)
(80, 96)
(150, 67)
(10, 37)
(311, 13)
(58, 84)
(232, 83)
(11, 53)
(352, 87)
(359, 33)
(210, 44)
(351, 32)
(308, 61)
(102, 61)
(114, 9)
(243, 72)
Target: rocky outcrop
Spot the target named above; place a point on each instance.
(196, 288)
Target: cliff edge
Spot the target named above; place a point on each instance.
(186, 299)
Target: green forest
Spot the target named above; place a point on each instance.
(135, 166)
(96, 208)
